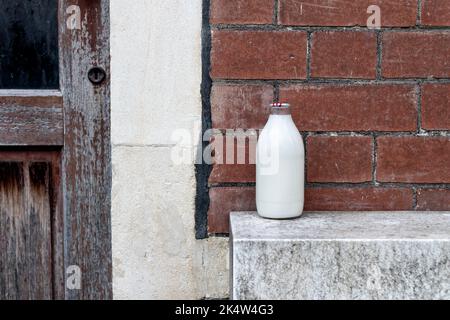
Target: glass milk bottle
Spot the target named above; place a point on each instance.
(280, 167)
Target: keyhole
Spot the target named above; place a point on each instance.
(96, 75)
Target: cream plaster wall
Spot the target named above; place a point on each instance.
(156, 76)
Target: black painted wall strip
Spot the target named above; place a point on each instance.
(202, 171)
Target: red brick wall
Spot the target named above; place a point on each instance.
(372, 105)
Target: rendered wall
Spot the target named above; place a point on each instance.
(156, 76)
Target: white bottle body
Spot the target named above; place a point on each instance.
(280, 169)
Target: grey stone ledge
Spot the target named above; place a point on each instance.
(341, 255)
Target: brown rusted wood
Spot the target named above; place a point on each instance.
(86, 163)
(38, 207)
(26, 210)
(56, 198)
(53, 157)
(31, 154)
(31, 118)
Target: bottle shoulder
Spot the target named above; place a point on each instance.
(285, 140)
(280, 127)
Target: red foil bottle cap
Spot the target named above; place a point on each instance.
(280, 105)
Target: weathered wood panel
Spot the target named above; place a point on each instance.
(31, 118)
(86, 163)
(26, 230)
(77, 123)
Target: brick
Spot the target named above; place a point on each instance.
(258, 54)
(435, 13)
(394, 13)
(339, 159)
(436, 106)
(225, 200)
(358, 199)
(232, 173)
(433, 199)
(241, 11)
(240, 106)
(413, 159)
(348, 54)
(234, 169)
(416, 54)
(352, 107)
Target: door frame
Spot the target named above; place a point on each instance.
(86, 162)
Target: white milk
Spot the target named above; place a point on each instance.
(280, 167)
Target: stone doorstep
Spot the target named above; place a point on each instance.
(337, 255)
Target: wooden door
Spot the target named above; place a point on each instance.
(55, 159)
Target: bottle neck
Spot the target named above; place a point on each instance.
(281, 111)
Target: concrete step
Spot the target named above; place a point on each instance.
(341, 255)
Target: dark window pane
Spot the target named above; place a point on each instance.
(29, 44)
